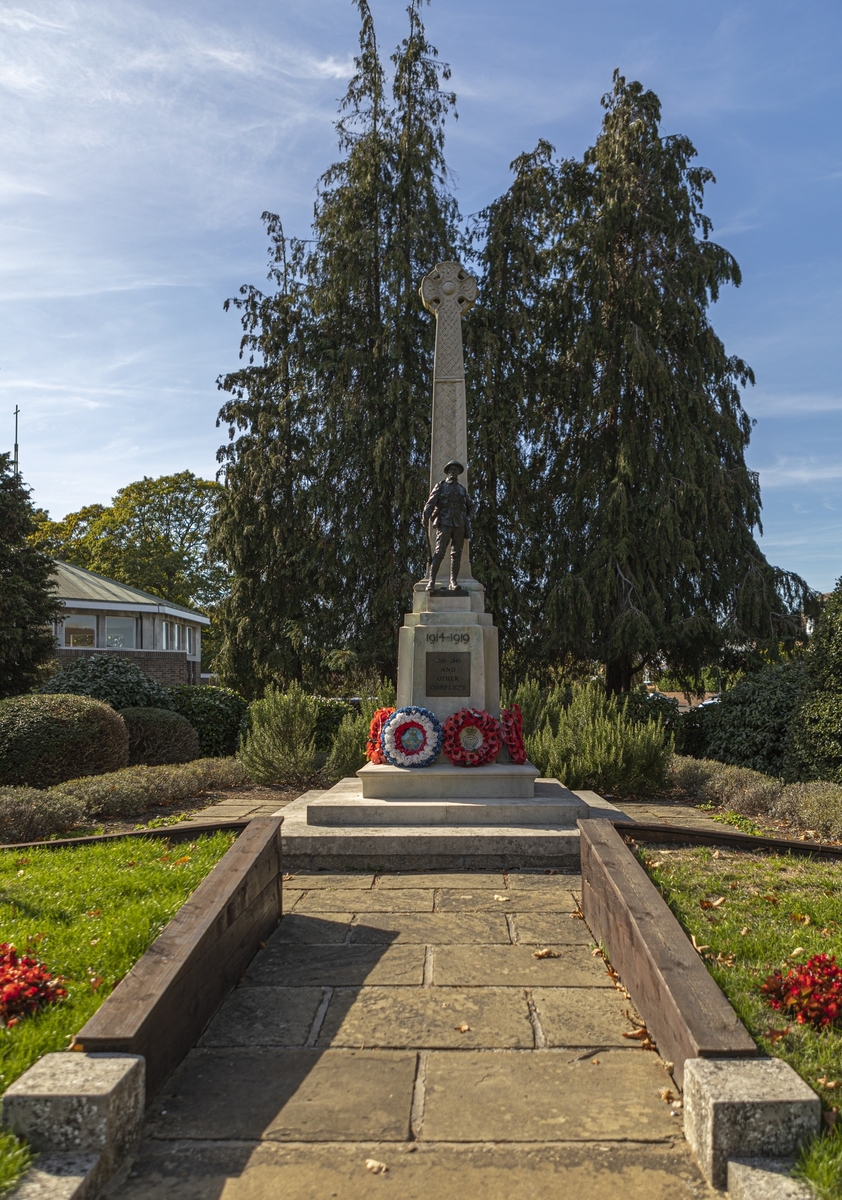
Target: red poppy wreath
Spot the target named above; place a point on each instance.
(511, 719)
(472, 738)
(373, 749)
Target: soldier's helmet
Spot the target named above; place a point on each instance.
(453, 465)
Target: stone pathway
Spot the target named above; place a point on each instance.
(659, 810)
(405, 1020)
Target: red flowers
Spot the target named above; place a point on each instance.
(373, 751)
(472, 738)
(511, 720)
(812, 993)
(26, 985)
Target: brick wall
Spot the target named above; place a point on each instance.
(169, 667)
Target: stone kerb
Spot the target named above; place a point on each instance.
(745, 1108)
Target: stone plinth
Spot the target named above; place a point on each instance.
(546, 804)
(448, 656)
(495, 781)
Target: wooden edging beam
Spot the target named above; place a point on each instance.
(690, 834)
(161, 1007)
(684, 1010)
(178, 833)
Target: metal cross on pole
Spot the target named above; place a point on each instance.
(16, 471)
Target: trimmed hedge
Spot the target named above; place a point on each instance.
(158, 736)
(47, 739)
(28, 814)
(130, 792)
(216, 713)
(118, 681)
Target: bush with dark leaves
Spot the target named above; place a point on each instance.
(118, 681)
(158, 736)
(46, 739)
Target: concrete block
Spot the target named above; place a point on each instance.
(745, 1108)
(61, 1177)
(765, 1179)
(78, 1103)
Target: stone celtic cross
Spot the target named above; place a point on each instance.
(448, 292)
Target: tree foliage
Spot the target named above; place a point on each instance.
(27, 603)
(152, 536)
(816, 737)
(636, 542)
(616, 516)
(329, 416)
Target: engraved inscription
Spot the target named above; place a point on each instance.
(448, 674)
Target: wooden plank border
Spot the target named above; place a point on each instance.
(684, 1010)
(161, 1007)
(693, 836)
(183, 832)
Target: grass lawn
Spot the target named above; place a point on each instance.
(756, 914)
(88, 913)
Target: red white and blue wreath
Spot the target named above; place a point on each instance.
(411, 737)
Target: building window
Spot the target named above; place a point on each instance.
(171, 638)
(191, 639)
(80, 631)
(120, 632)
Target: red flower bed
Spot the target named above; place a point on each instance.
(811, 993)
(373, 750)
(511, 721)
(26, 985)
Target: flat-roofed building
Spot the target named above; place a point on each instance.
(102, 616)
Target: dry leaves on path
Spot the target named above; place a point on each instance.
(376, 1167)
(546, 953)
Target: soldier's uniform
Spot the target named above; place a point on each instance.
(449, 508)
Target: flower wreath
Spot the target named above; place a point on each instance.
(472, 737)
(511, 719)
(411, 737)
(373, 752)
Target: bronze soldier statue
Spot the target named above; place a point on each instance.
(449, 508)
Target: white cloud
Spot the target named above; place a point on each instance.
(802, 472)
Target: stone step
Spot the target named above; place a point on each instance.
(494, 781)
(560, 811)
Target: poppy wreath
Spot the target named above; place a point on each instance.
(472, 737)
(511, 720)
(373, 751)
(411, 737)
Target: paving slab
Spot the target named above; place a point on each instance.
(551, 929)
(285, 965)
(288, 1095)
(493, 880)
(480, 1096)
(554, 899)
(573, 1016)
(377, 900)
(416, 1171)
(433, 928)
(517, 966)
(345, 880)
(264, 1016)
(523, 881)
(397, 1017)
(298, 927)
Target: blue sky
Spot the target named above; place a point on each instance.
(141, 142)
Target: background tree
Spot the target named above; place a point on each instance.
(329, 418)
(152, 536)
(27, 605)
(637, 435)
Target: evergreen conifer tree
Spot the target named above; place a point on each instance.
(330, 417)
(27, 605)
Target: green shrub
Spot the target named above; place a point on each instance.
(331, 714)
(642, 706)
(118, 681)
(348, 752)
(816, 805)
(596, 746)
(706, 781)
(45, 739)
(129, 792)
(749, 727)
(216, 713)
(158, 736)
(816, 734)
(280, 745)
(28, 814)
(692, 731)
